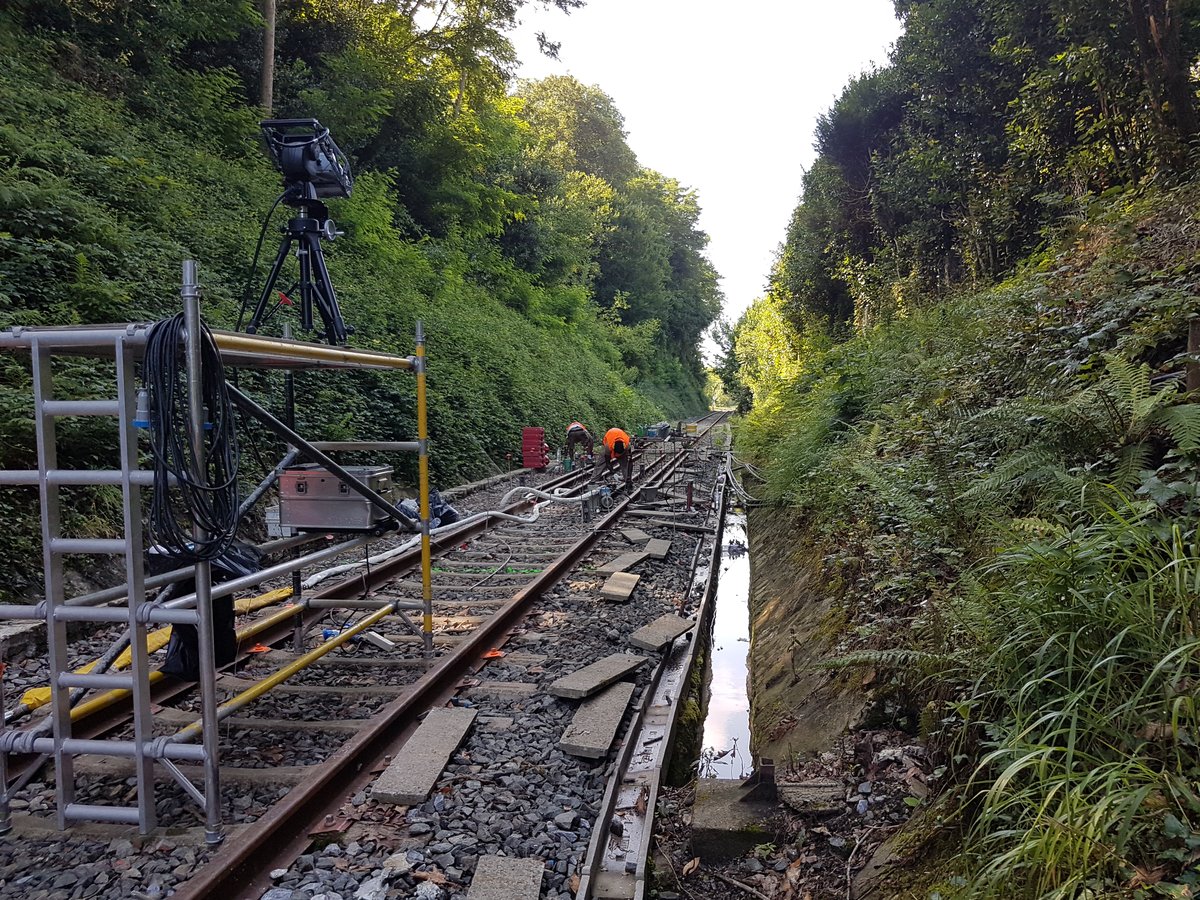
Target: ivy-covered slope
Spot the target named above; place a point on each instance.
(110, 176)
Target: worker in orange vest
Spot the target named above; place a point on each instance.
(578, 435)
(617, 448)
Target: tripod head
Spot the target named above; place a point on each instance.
(312, 164)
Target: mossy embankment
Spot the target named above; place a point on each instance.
(985, 517)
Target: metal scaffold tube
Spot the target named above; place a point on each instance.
(193, 357)
(208, 668)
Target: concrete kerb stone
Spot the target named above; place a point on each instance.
(623, 562)
(594, 725)
(506, 878)
(620, 586)
(502, 690)
(724, 824)
(410, 777)
(597, 676)
(635, 535)
(660, 632)
(658, 548)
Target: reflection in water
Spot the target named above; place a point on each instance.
(726, 738)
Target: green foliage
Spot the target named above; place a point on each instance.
(1086, 706)
(1003, 488)
(992, 118)
(493, 218)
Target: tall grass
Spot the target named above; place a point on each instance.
(1086, 702)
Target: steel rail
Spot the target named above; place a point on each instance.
(106, 712)
(648, 740)
(240, 867)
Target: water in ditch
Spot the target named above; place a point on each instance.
(726, 736)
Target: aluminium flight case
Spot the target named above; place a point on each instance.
(311, 498)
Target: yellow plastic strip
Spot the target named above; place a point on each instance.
(155, 640)
(253, 604)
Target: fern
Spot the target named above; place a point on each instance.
(1037, 527)
(1131, 463)
(893, 492)
(1027, 468)
(1182, 422)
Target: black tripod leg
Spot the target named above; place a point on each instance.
(306, 284)
(331, 314)
(261, 308)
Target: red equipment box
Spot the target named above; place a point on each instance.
(534, 452)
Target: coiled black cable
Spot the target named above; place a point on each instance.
(185, 493)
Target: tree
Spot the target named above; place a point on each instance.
(577, 127)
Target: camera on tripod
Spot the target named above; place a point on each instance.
(313, 168)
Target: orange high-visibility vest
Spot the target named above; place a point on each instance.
(575, 425)
(612, 436)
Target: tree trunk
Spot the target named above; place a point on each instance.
(267, 86)
(1157, 26)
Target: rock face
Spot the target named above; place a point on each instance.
(795, 706)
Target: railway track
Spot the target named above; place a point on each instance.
(515, 608)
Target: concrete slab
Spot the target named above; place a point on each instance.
(723, 825)
(594, 725)
(635, 535)
(619, 586)
(599, 675)
(40, 827)
(375, 690)
(344, 661)
(110, 767)
(502, 690)
(660, 632)
(658, 548)
(415, 770)
(624, 561)
(506, 878)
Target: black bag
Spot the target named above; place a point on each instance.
(183, 650)
(441, 510)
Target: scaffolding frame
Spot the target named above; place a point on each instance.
(125, 344)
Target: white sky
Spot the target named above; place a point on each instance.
(723, 97)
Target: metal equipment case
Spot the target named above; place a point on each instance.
(312, 498)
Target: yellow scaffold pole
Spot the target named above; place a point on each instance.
(423, 468)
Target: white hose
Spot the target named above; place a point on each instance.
(558, 496)
(325, 574)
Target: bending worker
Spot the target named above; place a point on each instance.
(618, 448)
(577, 434)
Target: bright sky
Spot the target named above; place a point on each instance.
(723, 97)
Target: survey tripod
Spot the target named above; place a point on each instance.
(304, 233)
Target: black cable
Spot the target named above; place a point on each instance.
(254, 263)
(352, 645)
(186, 493)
